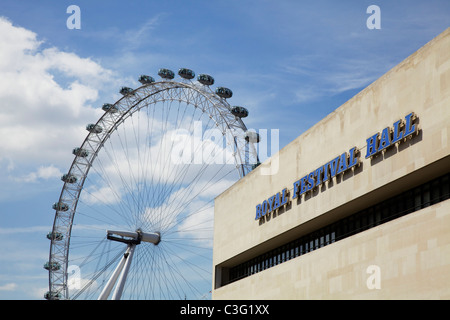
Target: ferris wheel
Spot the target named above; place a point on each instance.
(134, 218)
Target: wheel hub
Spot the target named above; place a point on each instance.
(134, 237)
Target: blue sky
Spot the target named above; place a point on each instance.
(289, 62)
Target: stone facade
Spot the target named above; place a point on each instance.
(411, 252)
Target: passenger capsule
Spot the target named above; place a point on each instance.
(205, 79)
(94, 128)
(240, 112)
(166, 74)
(80, 152)
(55, 236)
(255, 165)
(126, 91)
(251, 136)
(186, 73)
(69, 178)
(108, 107)
(60, 206)
(53, 266)
(144, 79)
(224, 92)
(50, 295)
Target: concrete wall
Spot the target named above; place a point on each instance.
(412, 254)
(420, 84)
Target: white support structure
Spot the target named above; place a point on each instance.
(121, 272)
(112, 281)
(123, 275)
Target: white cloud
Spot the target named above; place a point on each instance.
(200, 225)
(8, 287)
(17, 230)
(46, 98)
(335, 74)
(45, 173)
(136, 37)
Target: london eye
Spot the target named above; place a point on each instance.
(134, 219)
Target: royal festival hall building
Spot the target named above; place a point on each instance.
(357, 207)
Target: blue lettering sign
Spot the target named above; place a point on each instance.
(315, 178)
(277, 202)
(372, 145)
(398, 133)
(342, 163)
(264, 208)
(410, 128)
(285, 197)
(401, 130)
(258, 212)
(296, 189)
(333, 167)
(318, 174)
(325, 173)
(354, 160)
(376, 143)
(273, 203)
(385, 139)
(303, 185)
